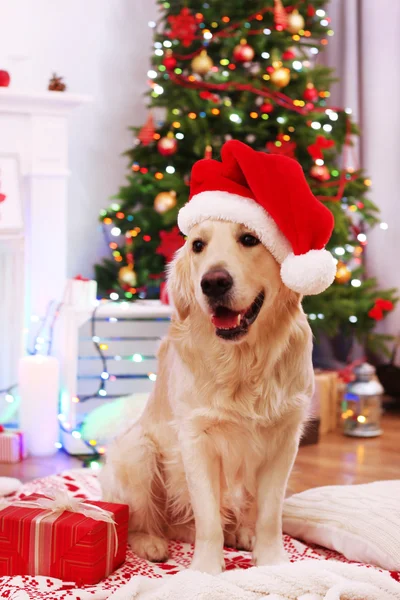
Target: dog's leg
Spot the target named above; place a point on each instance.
(202, 468)
(272, 481)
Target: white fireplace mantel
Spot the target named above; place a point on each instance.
(34, 134)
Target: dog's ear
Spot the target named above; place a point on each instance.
(179, 283)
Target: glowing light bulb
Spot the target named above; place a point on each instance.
(353, 319)
(151, 24)
(152, 376)
(362, 237)
(383, 225)
(312, 317)
(167, 44)
(314, 50)
(324, 23)
(316, 125)
(319, 162)
(105, 375)
(114, 296)
(170, 169)
(321, 316)
(207, 35)
(117, 357)
(333, 116)
(320, 12)
(179, 136)
(58, 445)
(152, 74)
(361, 419)
(94, 465)
(102, 393)
(9, 398)
(115, 231)
(339, 251)
(348, 111)
(235, 118)
(137, 358)
(265, 55)
(297, 65)
(158, 52)
(158, 89)
(267, 31)
(327, 128)
(76, 435)
(355, 283)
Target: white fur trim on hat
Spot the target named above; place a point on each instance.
(224, 206)
(310, 273)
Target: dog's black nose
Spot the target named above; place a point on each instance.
(216, 283)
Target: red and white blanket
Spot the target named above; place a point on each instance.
(83, 484)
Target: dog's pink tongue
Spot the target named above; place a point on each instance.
(226, 319)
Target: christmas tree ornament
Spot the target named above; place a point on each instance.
(280, 16)
(56, 84)
(183, 27)
(316, 149)
(164, 201)
(266, 107)
(320, 172)
(146, 133)
(4, 79)
(169, 61)
(171, 241)
(310, 93)
(280, 77)
(376, 312)
(208, 151)
(167, 145)
(127, 276)
(243, 52)
(362, 403)
(246, 187)
(282, 146)
(206, 95)
(289, 54)
(295, 22)
(343, 273)
(202, 63)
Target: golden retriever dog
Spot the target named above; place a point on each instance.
(209, 459)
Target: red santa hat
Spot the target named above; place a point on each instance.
(269, 194)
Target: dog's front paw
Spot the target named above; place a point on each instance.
(264, 555)
(208, 559)
(150, 547)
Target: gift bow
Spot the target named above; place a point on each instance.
(62, 501)
(321, 143)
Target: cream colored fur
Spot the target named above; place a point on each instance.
(210, 457)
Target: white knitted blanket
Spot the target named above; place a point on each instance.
(306, 580)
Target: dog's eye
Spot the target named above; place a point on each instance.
(248, 240)
(198, 246)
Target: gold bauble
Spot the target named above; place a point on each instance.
(280, 77)
(295, 22)
(343, 273)
(202, 63)
(127, 276)
(164, 201)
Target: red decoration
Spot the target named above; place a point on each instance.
(284, 147)
(167, 146)
(320, 172)
(266, 107)
(380, 305)
(320, 144)
(169, 61)
(310, 93)
(70, 546)
(171, 241)
(280, 16)
(164, 293)
(2, 197)
(310, 10)
(209, 96)
(146, 134)
(288, 55)
(183, 27)
(80, 278)
(4, 79)
(243, 52)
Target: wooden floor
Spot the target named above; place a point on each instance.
(335, 460)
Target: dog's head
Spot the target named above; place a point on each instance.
(226, 272)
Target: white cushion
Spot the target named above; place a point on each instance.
(362, 522)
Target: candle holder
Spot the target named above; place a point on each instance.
(362, 404)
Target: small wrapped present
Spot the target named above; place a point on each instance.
(12, 445)
(81, 293)
(62, 537)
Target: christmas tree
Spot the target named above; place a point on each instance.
(249, 71)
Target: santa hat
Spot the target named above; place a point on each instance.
(269, 194)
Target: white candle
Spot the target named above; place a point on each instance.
(39, 392)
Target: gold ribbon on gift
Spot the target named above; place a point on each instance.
(54, 506)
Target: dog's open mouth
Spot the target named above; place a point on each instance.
(230, 324)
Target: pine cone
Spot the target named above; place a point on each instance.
(56, 84)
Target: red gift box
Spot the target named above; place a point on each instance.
(59, 539)
(12, 445)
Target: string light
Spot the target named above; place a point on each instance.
(137, 358)
(235, 118)
(356, 283)
(58, 445)
(321, 316)
(324, 23)
(353, 319)
(102, 393)
(75, 399)
(316, 125)
(152, 376)
(265, 54)
(151, 24)
(115, 231)
(179, 136)
(152, 74)
(105, 375)
(114, 296)
(170, 169)
(314, 50)
(312, 316)
(266, 31)
(158, 89)
(158, 52)
(76, 435)
(383, 225)
(167, 44)
(339, 251)
(297, 65)
(362, 237)
(319, 162)
(9, 398)
(320, 12)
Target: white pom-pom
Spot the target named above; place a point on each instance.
(9, 485)
(309, 273)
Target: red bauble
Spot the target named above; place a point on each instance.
(169, 61)
(4, 79)
(288, 55)
(243, 52)
(310, 10)
(167, 146)
(321, 173)
(266, 107)
(310, 93)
